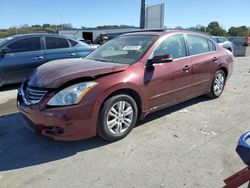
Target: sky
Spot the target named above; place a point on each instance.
(91, 13)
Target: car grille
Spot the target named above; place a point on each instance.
(34, 95)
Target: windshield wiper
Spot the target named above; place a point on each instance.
(102, 60)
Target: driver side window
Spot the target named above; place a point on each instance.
(25, 45)
(174, 45)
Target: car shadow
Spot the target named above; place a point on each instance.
(9, 87)
(20, 148)
(169, 110)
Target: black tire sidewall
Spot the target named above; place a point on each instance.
(102, 129)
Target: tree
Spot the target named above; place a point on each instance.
(238, 31)
(24, 26)
(46, 25)
(36, 26)
(200, 28)
(214, 28)
(113, 26)
(67, 26)
(179, 27)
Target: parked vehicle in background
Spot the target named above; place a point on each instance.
(248, 41)
(225, 43)
(240, 41)
(120, 82)
(21, 54)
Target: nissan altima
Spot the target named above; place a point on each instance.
(120, 82)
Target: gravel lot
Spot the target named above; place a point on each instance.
(189, 145)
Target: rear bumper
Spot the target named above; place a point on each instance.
(60, 123)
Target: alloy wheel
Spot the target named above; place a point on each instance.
(219, 84)
(120, 117)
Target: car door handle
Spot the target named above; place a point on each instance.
(71, 54)
(215, 59)
(37, 58)
(186, 68)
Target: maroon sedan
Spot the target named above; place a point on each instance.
(121, 82)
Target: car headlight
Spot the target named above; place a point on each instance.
(71, 95)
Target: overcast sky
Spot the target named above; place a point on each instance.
(91, 13)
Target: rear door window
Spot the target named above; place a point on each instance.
(197, 45)
(73, 43)
(78, 44)
(174, 45)
(56, 43)
(25, 45)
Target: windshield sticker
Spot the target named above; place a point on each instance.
(131, 48)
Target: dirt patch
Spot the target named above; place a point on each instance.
(8, 107)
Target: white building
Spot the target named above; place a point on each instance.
(91, 34)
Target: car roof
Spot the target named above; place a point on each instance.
(164, 32)
(35, 35)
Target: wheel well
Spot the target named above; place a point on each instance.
(224, 70)
(132, 93)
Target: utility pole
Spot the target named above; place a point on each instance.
(61, 20)
(142, 21)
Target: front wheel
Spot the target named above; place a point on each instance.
(218, 84)
(117, 117)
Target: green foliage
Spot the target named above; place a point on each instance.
(214, 28)
(238, 31)
(199, 27)
(113, 26)
(9, 32)
(25, 29)
(179, 27)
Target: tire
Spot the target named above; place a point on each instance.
(218, 84)
(117, 117)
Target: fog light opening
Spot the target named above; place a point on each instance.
(54, 131)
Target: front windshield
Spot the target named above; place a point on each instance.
(124, 49)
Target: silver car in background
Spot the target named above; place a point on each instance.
(225, 43)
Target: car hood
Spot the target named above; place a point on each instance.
(56, 73)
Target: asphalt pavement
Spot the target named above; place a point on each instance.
(188, 145)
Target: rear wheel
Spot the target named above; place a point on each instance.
(117, 117)
(218, 84)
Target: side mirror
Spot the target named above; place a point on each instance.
(4, 51)
(167, 58)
